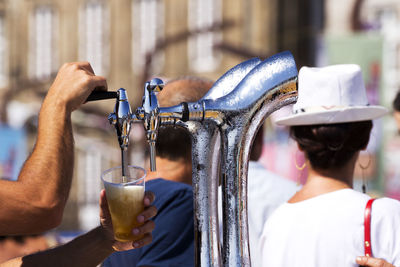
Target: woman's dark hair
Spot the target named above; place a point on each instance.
(331, 145)
(396, 102)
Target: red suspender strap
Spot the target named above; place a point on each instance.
(367, 228)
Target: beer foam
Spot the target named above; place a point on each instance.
(131, 192)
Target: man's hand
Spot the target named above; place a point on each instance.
(146, 229)
(73, 84)
(372, 262)
(79, 252)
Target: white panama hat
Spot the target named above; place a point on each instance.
(333, 94)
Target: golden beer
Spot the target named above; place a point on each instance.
(125, 201)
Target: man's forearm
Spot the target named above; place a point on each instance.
(51, 162)
(87, 250)
(37, 200)
(53, 157)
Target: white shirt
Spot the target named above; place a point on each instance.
(328, 230)
(265, 192)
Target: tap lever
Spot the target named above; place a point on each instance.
(121, 118)
(151, 87)
(100, 95)
(156, 85)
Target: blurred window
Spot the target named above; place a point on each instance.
(43, 59)
(148, 28)
(3, 53)
(203, 14)
(94, 36)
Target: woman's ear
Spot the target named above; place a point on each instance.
(366, 145)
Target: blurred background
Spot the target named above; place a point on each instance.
(130, 41)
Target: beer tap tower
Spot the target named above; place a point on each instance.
(226, 119)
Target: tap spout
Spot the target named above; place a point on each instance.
(121, 118)
(150, 114)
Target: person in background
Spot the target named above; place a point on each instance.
(173, 238)
(266, 192)
(323, 223)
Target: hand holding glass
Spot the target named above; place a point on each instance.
(125, 200)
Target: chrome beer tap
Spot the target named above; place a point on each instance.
(149, 113)
(205, 165)
(232, 111)
(235, 108)
(205, 155)
(121, 119)
(269, 86)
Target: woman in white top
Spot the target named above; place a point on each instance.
(323, 223)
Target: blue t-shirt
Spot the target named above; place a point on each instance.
(173, 236)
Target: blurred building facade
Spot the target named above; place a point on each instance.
(129, 41)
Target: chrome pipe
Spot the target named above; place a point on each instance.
(205, 167)
(230, 107)
(269, 86)
(231, 112)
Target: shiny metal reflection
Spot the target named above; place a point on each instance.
(232, 111)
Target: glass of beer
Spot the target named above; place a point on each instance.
(125, 199)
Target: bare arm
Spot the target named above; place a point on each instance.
(36, 201)
(86, 250)
(93, 247)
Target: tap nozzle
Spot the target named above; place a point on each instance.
(121, 118)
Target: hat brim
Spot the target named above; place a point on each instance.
(336, 115)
